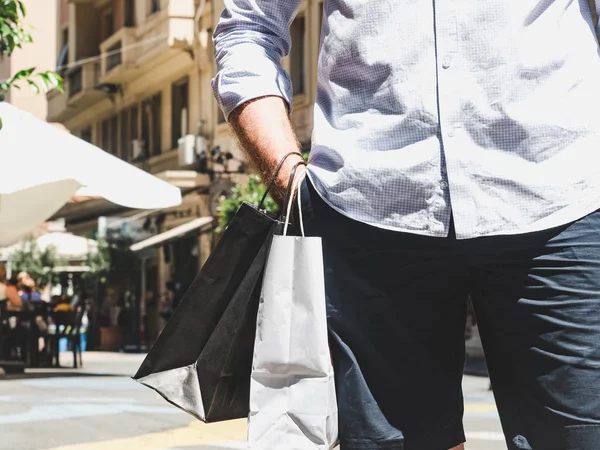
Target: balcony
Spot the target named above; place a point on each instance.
(81, 85)
(118, 55)
(57, 106)
(80, 92)
(164, 35)
(91, 2)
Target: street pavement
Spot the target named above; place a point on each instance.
(99, 407)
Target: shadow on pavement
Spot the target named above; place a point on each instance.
(476, 367)
(236, 446)
(55, 374)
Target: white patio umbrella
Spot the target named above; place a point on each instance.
(43, 167)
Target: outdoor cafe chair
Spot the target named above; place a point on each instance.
(67, 325)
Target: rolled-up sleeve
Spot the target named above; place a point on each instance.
(250, 40)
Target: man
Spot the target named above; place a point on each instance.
(456, 152)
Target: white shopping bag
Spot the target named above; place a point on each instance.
(292, 392)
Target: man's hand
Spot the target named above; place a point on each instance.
(265, 132)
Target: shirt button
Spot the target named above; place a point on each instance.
(450, 132)
(447, 62)
(443, 185)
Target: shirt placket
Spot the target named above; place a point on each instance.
(451, 127)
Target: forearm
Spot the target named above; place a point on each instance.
(265, 132)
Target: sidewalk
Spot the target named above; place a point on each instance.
(99, 407)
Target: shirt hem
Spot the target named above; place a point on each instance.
(573, 214)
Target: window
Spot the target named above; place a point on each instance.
(108, 24)
(129, 13)
(146, 118)
(151, 124)
(86, 134)
(128, 122)
(63, 56)
(134, 134)
(154, 6)
(125, 138)
(133, 123)
(179, 110)
(114, 57)
(114, 136)
(297, 62)
(156, 125)
(103, 138)
(108, 135)
(65, 37)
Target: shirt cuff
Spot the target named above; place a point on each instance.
(250, 74)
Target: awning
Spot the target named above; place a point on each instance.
(172, 233)
(72, 269)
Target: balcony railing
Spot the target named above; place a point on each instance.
(118, 53)
(75, 81)
(82, 79)
(114, 56)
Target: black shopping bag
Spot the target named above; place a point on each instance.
(202, 360)
(199, 326)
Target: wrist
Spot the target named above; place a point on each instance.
(283, 177)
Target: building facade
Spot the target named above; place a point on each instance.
(137, 84)
(40, 54)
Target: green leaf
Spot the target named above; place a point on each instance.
(54, 78)
(34, 87)
(5, 29)
(1, 99)
(251, 192)
(38, 263)
(23, 74)
(51, 79)
(10, 8)
(45, 85)
(13, 35)
(22, 8)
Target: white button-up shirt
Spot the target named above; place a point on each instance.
(484, 111)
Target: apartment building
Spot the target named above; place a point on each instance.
(137, 84)
(41, 54)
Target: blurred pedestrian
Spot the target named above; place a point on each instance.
(27, 288)
(167, 301)
(8, 292)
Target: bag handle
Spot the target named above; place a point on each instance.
(297, 188)
(288, 189)
(274, 176)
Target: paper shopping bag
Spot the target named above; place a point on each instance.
(292, 392)
(202, 360)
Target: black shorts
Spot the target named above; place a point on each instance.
(397, 307)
